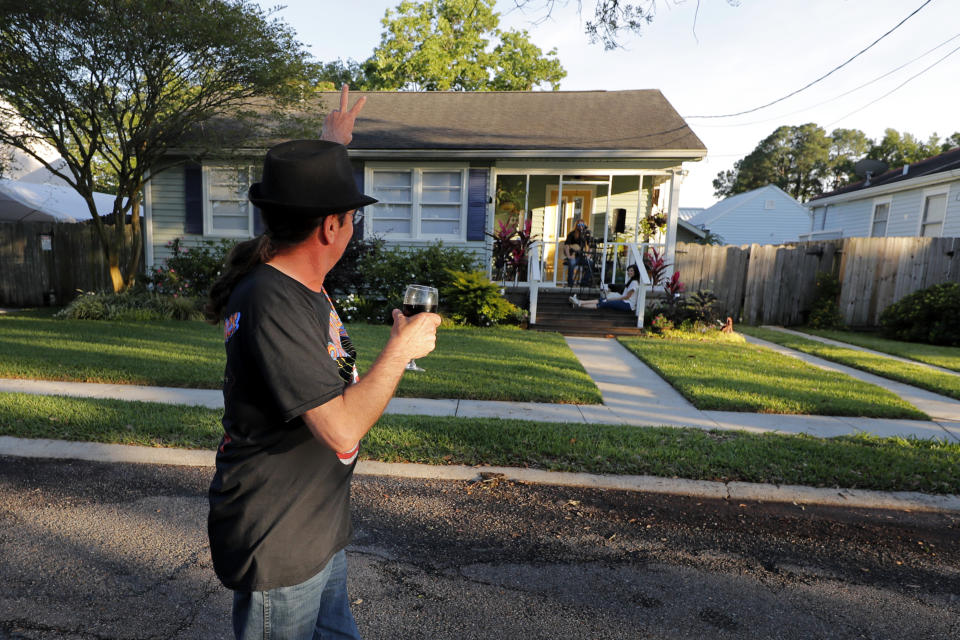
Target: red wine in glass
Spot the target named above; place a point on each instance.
(417, 299)
(414, 309)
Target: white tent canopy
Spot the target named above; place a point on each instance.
(31, 202)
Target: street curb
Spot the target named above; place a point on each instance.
(739, 491)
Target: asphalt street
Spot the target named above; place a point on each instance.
(118, 551)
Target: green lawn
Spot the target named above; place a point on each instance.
(476, 364)
(939, 356)
(489, 364)
(913, 374)
(730, 375)
(863, 462)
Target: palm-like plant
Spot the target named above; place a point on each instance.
(511, 248)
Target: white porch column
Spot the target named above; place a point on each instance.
(673, 215)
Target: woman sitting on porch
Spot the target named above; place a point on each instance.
(627, 301)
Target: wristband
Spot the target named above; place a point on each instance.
(347, 457)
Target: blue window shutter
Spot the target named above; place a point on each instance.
(193, 199)
(477, 204)
(358, 178)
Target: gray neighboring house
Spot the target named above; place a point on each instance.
(451, 166)
(767, 215)
(922, 199)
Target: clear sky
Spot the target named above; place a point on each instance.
(727, 59)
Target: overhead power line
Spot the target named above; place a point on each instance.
(823, 77)
(899, 86)
(837, 97)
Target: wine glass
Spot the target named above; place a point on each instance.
(416, 299)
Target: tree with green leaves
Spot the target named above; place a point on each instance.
(898, 149)
(794, 158)
(113, 85)
(443, 45)
(804, 162)
(846, 147)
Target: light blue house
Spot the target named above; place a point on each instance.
(767, 215)
(920, 200)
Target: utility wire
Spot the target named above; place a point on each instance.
(826, 75)
(899, 86)
(837, 97)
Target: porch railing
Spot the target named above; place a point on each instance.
(634, 251)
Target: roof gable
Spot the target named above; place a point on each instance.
(733, 203)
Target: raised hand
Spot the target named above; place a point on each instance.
(338, 125)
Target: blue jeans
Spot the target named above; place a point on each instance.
(619, 305)
(586, 272)
(315, 609)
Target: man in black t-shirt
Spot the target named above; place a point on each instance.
(294, 408)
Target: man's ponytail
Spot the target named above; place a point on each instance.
(240, 261)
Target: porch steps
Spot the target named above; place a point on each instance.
(554, 313)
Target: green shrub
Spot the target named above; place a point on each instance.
(473, 299)
(930, 315)
(189, 271)
(699, 310)
(824, 311)
(377, 276)
(133, 307)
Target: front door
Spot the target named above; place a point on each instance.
(577, 205)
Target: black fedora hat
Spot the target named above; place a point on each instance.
(308, 177)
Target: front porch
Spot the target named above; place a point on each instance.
(626, 212)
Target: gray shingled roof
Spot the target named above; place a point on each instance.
(946, 161)
(575, 121)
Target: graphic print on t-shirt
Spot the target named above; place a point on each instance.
(230, 326)
(340, 347)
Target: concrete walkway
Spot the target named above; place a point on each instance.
(938, 407)
(854, 347)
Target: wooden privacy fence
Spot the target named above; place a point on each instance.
(47, 262)
(775, 284)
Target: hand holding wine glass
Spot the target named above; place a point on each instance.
(418, 299)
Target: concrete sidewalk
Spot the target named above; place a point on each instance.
(632, 395)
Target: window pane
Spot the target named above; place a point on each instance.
(936, 208)
(932, 230)
(392, 195)
(392, 211)
(438, 211)
(230, 223)
(880, 212)
(391, 226)
(879, 229)
(440, 227)
(441, 179)
(228, 207)
(228, 192)
(383, 179)
(441, 195)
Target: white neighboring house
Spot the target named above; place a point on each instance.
(767, 215)
(29, 192)
(919, 200)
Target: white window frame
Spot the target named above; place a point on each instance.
(929, 193)
(416, 184)
(876, 202)
(208, 229)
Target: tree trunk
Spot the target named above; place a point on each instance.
(136, 244)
